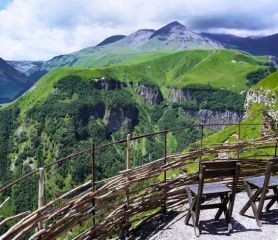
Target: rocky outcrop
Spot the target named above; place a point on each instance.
(265, 97)
(214, 117)
(108, 84)
(150, 94)
(272, 62)
(260, 95)
(121, 118)
(176, 95)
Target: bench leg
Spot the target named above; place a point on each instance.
(252, 202)
(191, 213)
(224, 201)
(192, 204)
(270, 204)
(273, 200)
(230, 212)
(253, 199)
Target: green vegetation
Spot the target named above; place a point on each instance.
(214, 67)
(269, 82)
(72, 107)
(258, 75)
(77, 112)
(207, 97)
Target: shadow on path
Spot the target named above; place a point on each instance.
(156, 225)
(219, 227)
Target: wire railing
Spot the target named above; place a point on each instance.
(93, 149)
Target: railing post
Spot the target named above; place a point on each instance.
(128, 167)
(41, 194)
(276, 135)
(238, 150)
(94, 179)
(128, 162)
(165, 172)
(201, 140)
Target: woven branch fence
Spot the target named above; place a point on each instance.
(133, 197)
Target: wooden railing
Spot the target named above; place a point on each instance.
(134, 196)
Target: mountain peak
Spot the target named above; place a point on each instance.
(175, 24)
(111, 39)
(169, 28)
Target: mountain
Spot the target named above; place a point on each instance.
(111, 39)
(16, 77)
(175, 36)
(26, 67)
(142, 45)
(256, 45)
(12, 82)
(70, 108)
(172, 37)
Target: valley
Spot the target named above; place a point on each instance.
(145, 82)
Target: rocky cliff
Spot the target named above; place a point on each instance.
(123, 118)
(215, 117)
(149, 94)
(260, 95)
(176, 95)
(108, 84)
(264, 96)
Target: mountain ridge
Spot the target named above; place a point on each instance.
(262, 45)
(116, 49)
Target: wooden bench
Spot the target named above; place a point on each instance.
(197, 192)
(262, 185)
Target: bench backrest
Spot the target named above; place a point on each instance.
(211, 169)
(271, 169)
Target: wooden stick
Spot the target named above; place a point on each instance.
(20, 215)
(6, 200)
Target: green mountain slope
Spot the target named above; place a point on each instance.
(221, 69)
(261, 107)
(72, 107)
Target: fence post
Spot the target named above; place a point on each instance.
(41, 194)
(128, 162)
(276, 135)
(128, 167)
(94, 179)
(165, 172)
(238, 150)
(202, 139)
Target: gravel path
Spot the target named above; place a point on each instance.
(245, 227)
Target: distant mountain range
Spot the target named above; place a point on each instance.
(256, 45)
(17, 76)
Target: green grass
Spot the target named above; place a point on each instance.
(45, 85)
(270, 82)
(165, 69)
(214, 67)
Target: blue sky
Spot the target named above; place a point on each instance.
(41, 29)
(3, 3)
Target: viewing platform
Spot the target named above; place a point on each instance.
(245, 227)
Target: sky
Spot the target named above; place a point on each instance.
(42, 29)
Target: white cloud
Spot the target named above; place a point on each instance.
(41, 29)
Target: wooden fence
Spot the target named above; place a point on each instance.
(133, 197)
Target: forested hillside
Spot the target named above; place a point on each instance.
(71, 108)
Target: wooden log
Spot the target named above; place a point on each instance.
(5, 201)
(20, 215)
